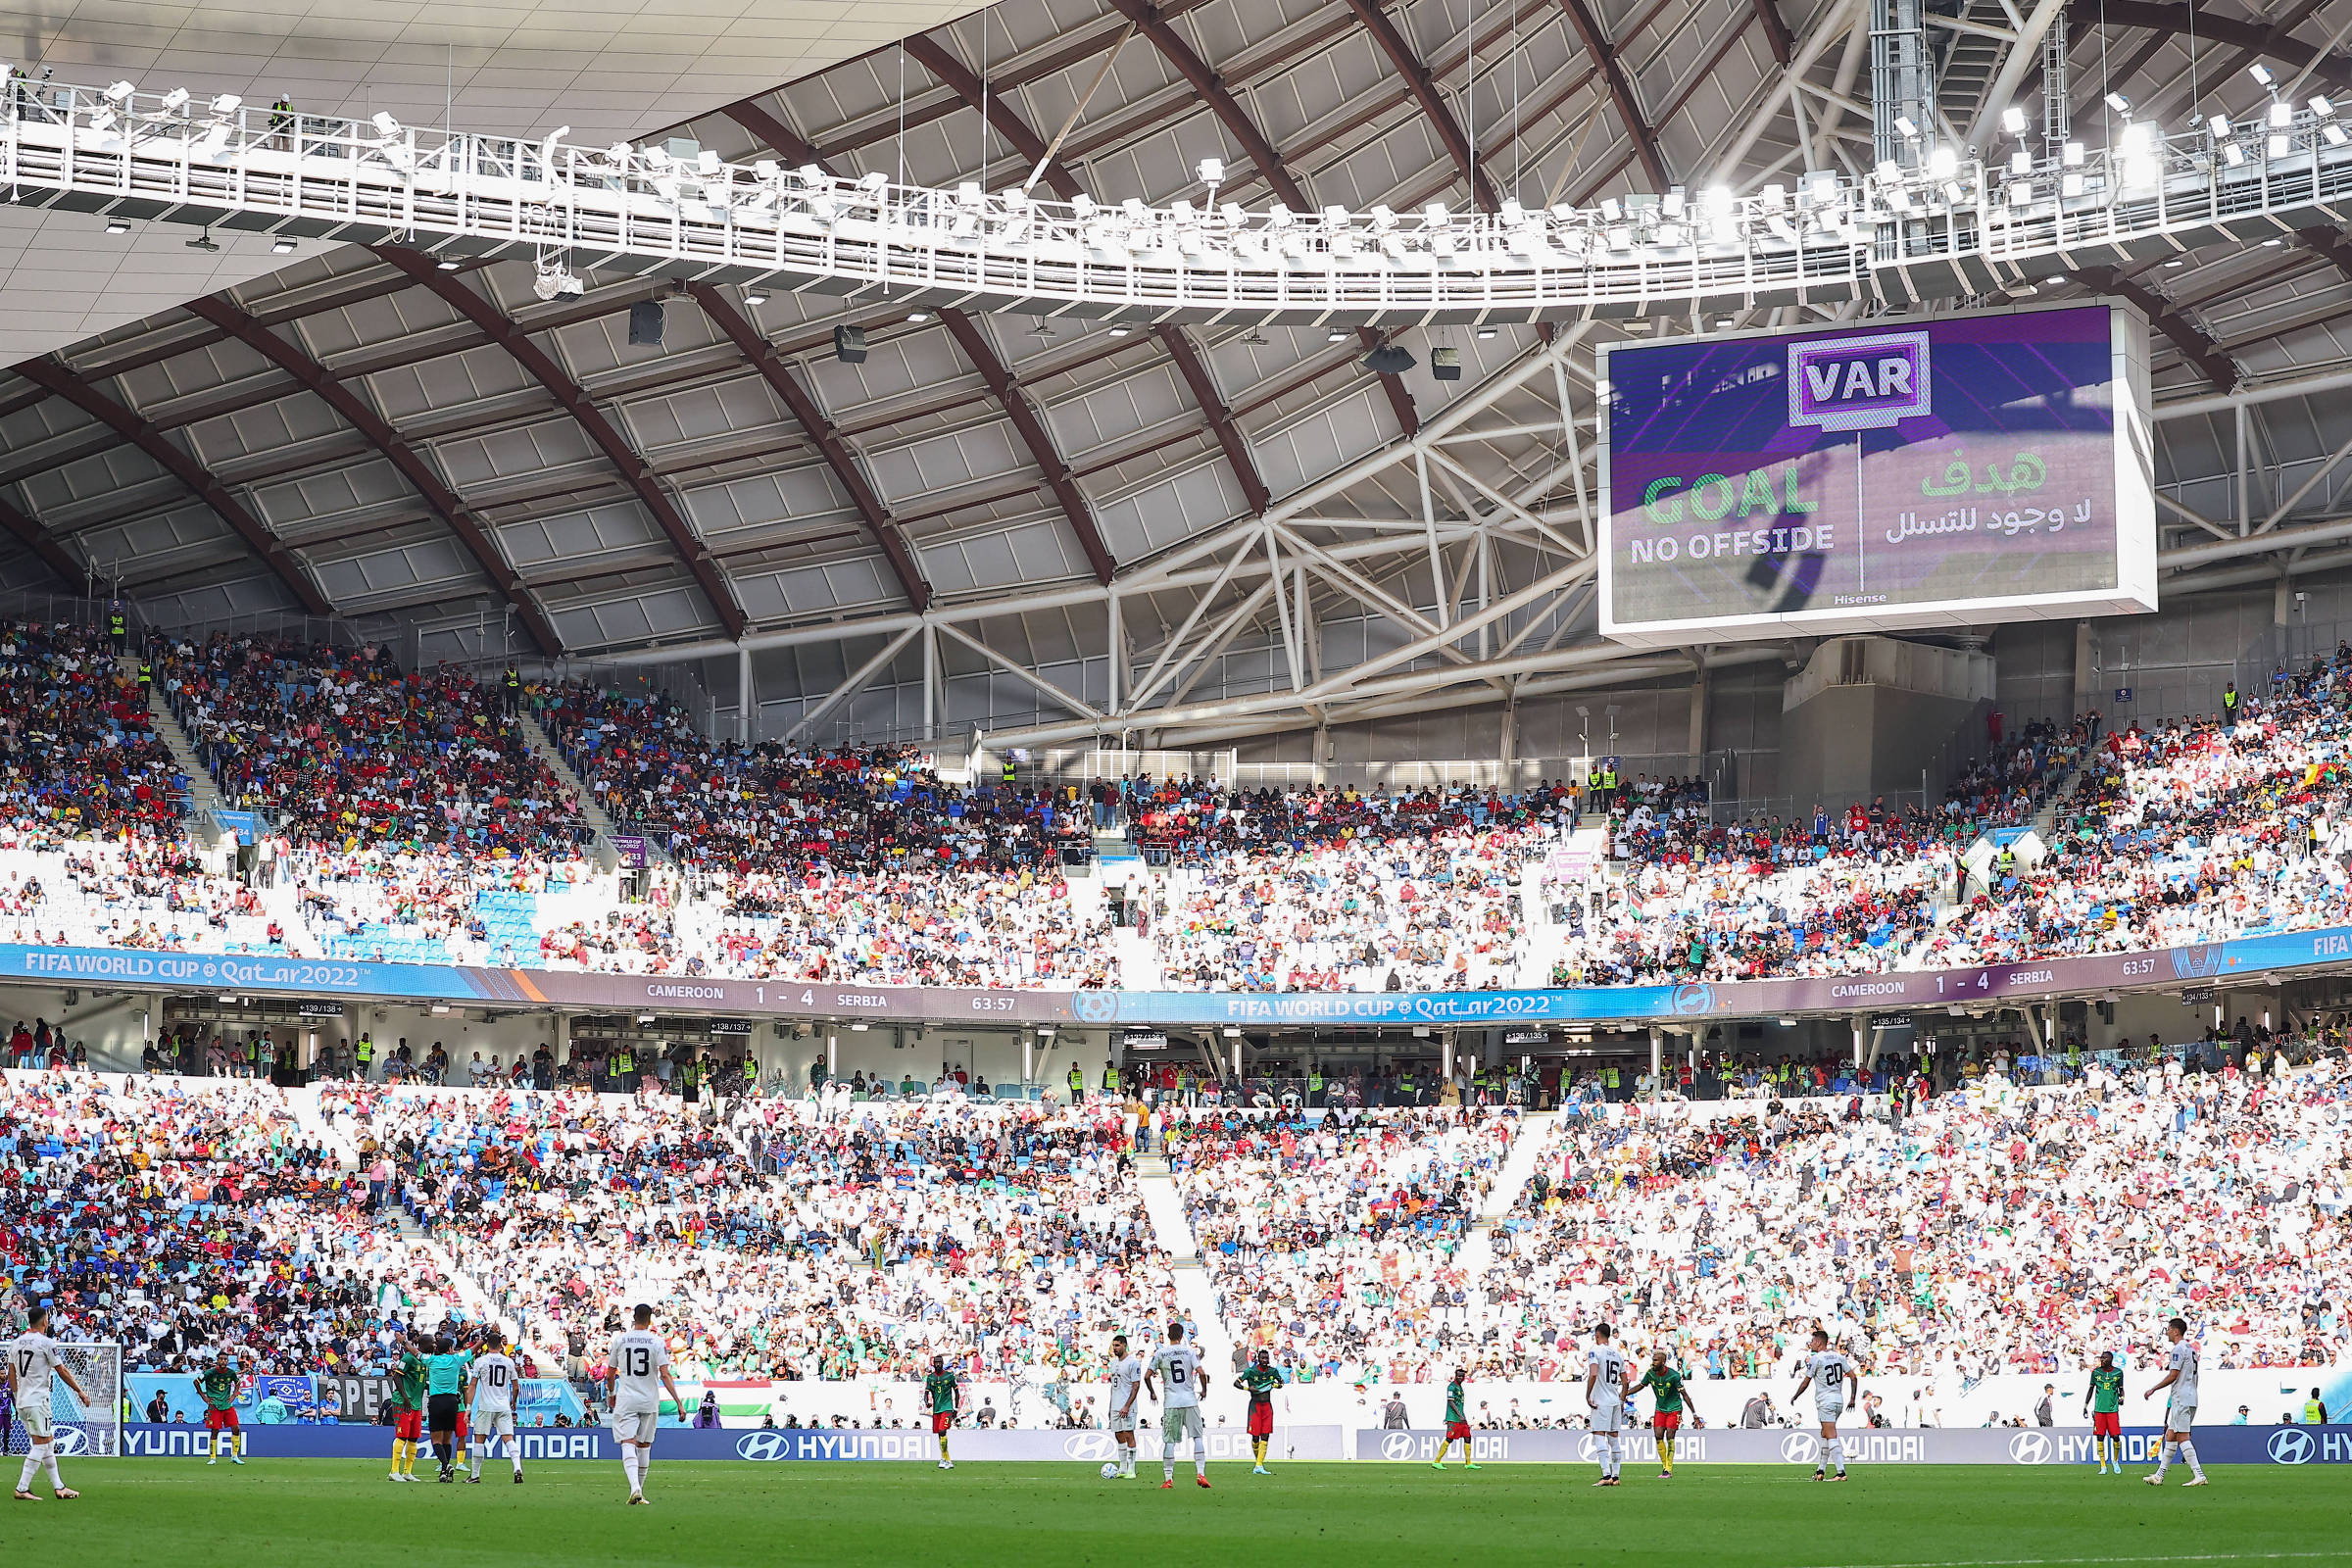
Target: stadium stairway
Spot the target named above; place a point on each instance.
(1526, 1144)
(1163, 1206)
(204, 796)
(543, 747)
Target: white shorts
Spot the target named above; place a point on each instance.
(635, 1425)
(1827, 1411)
(1610, 1417)
(491, 1423)
(2177, 1417)
(39, 1426)
(1121, 1424)
(1179, 1422)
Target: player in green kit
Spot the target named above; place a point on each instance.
(2104, 1401)
(941, 1390)
(408, 1409)
(1457, 1421)
(445, 1381)
(1259, 1380)
(1670, 1398)
(217, 1386)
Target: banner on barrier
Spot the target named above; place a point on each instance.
(1997, 1446)
(768, 1445)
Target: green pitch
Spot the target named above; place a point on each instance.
(344, 1514)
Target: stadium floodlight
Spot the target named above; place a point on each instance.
(2333, 130)
(2261, 74)
(385, 125)
(2021, 162)
(2119, 103)
(2219, 127)
(1485, 334)
(117, 226)
(1211, 171)
(120, 93)
(2278, 147)
(2072, 155)
(2321, 106)
(283, 245)
(2233, 154)
(1904, 126)
(447, 263)
(1121, 330)
(176, 102)
(1335, 334)
(227, 103)
(754, 296)
(2280, 115)
(1944, 162)
(918, 317)
(2013, 120)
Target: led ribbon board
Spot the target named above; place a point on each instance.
(1961, 471)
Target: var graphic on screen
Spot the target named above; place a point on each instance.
(1904, 473)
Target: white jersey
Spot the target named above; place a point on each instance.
(638, 1359)
(1829, 1370)
(1124, 1378)
(2181, 1358)
(494, 1380)
(33, 1359)
(1179, 1366)
(1609, 1386)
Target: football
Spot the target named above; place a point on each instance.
(1110, 1472)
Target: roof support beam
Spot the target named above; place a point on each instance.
(2195, 345)
(1621, 89)
(1213, 92)
(63, 380)
(822, 433)
(1783, 42)
(2215, 26)
(1424, 87)
(41, 542)
(421, 476)
(959, 78)
(495, 324)
(1034, 435)
(1220, 417)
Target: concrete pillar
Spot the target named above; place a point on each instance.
(1861, 1024)
(1698, 715)
(1657, 1048)
(563, 1040)
(746, 696)
(832, 1056)
(1028, 1061)
(1446, 1056)
(2086, 675)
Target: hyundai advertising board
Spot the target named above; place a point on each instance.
(1904, 473)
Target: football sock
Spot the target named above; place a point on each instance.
(628, 1465)
(1200, 1456)
(474, 1458)
(1833, 1452)
(1608, 1461)
(2189, 1452)
(943, 1445)
(32, 1467)
(55, 1480)
(1666, 1454)
(1258, 1446)
(1167, 1462)
(2163, 1459)
(399, 1451)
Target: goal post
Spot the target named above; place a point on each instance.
(90, 1426)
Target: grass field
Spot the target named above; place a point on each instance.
(344, 1514)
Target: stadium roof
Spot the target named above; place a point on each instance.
(1272, 533)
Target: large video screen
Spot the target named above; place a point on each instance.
(1901, 473)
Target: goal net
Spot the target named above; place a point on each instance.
(92, 1425)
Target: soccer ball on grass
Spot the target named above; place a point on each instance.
(1110, 1472)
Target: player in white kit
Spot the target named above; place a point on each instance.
(1831, 1376)
(33, 1363)
(1180, 1414)
(491, 1383)
(1606, 1396)
(2180, 1413)
(637, 1372)
(1126, 1385)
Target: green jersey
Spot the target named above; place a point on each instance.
(219, 1388)
(2107, 1389)
(1458, 1405)
(940, 1389)
(1667, 1384)
(1261, 1382)
(446, 1374)
(408, 1384)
